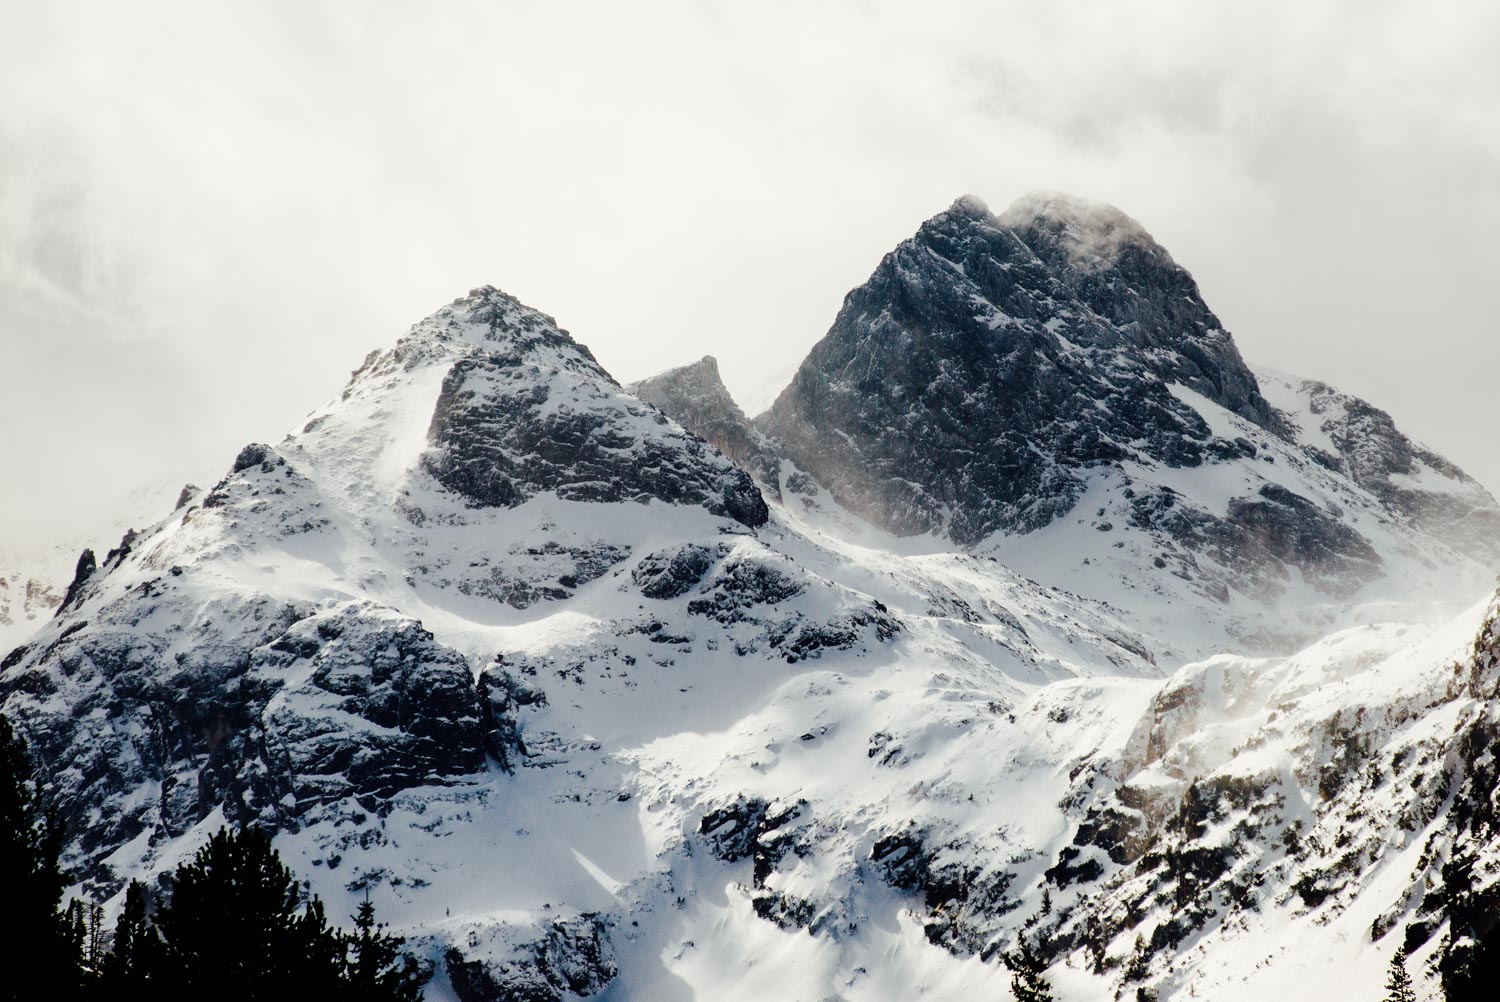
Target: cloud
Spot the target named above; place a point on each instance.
(209, 213)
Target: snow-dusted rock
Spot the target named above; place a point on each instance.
(526, 657)
(24, 602)
(695, 397)
(1048, 386)
(985, 367)
(526, 410)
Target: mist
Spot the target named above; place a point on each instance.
(210, 213)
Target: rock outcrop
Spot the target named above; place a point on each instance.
(990, 362)
(695, 397)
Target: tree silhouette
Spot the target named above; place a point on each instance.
(1028, 973)
(234, 927)
(375, 968)
(134, 964)
(30, 846)
(1398, 987)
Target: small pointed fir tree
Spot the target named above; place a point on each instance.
(133, 965)
(1398, 987)
(1028, 973)
(376, 967)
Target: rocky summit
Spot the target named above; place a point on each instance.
(1028, 616)
(695, 396)
(990, 362)
(1001, 379)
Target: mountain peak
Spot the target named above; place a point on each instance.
(970, 205)
(694, 395)
(492, 314)
(492, 632)
(1092, 234)
(980, 338)
(487, 297)
(707, 367)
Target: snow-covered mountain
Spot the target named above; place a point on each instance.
(34, 573)
(1028, 610)
(1021, 384)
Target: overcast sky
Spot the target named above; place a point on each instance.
(210, 212)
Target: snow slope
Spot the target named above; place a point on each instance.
(588, 715)
(34, 572)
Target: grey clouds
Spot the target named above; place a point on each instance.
(209, 213)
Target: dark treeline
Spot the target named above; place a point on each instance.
(231, 924)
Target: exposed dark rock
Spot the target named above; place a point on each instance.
(384, 669)
(695, 397)
(1074, 866)
(963, 900)
(535, 413)
(989, 361)
(1258, 539)
(752, 828)
(742, 583)
(1374, 453)
(1293, 529)
(253, 454)
(267, 712)
(572, 959)
(902, 859)
(82, 575)
(501, 697)
(524, 576)
(677, 571)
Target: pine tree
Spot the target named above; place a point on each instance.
(133, 965)
(1139, 967)
(93, 943)
(376, 968)
(1471, 968)
(234, 927)
(231, 928)
(1398, 986)
(30, 845)
(1028, 974)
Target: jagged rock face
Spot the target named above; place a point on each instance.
(695, 397)
(1047, 387)
(530, 411)
(1107, 261)
(1459, 873)
(271, 713)
(1362, 442)
(989, 362)
(572, 960)
(1207, 809)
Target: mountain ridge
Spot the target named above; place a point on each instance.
(524, 655)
